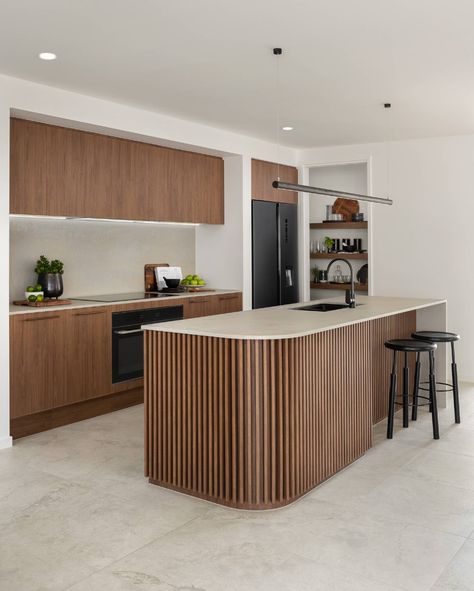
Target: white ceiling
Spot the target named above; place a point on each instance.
(211, 61)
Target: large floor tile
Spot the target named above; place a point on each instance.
(77, 529)
(244, 550)
(361, 477)
(214, 555)
(459, 574)
(416, 501)
(372, 546)
(442, 467)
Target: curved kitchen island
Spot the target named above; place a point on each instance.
(254, 409)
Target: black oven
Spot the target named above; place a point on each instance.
(127, 339)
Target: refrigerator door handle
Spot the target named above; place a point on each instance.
(289, 276)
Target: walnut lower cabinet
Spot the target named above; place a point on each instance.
(38, 362)
(88, 354)
(61, 362)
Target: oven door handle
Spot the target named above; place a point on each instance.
(128, 331)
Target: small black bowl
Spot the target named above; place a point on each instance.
(172, 282)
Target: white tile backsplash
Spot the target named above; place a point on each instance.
(99, 257)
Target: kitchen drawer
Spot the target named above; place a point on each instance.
(201, 306)
(229, 302)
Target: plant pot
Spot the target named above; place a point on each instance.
(52, 284)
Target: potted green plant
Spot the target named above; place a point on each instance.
(50, 276)
(328, 243)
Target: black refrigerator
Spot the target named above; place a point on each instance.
(274, 254)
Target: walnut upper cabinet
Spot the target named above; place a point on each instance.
(263, 175)
(67, 172)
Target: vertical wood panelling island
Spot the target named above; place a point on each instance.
(254, 409)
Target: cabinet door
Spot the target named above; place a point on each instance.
(37, 362)
(200, 306)
(63, 172)
(231, 302)
(263, 175)
(89, 354)
(182, 186)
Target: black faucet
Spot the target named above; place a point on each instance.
(350, 293)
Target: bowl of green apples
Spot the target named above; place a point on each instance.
(193, 281)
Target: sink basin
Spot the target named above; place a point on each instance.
(328, 307)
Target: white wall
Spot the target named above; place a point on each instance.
(5, 439)
(422, 244)
(99, 257)
(219, 249)
(46, 103)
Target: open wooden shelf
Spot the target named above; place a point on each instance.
(339, 226)
(358, 286)
(340, 255)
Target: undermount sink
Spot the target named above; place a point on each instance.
(324, 307)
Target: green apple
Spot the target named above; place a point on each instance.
(32, 298)
(38, 287)
(31, 288)
(194, 282)
(39, 298)
(201, 282)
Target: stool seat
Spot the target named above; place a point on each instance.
(410, 345)
(439, 336)
(436, 336)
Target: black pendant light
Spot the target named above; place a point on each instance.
(284, 186)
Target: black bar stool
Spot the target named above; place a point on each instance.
(411, 346)
(437, 336)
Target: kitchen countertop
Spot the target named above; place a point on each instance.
(283, 322)
(13, 310)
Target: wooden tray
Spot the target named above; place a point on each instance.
(43, 304)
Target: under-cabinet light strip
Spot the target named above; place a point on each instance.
(81, 219)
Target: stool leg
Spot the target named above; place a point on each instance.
(434, 403)
(416, 385)
(393, 394)
(405, 392)
(454, 372)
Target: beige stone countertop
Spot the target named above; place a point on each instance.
(89, 304)
(285, 322)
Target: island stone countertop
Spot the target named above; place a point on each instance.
(287, 322)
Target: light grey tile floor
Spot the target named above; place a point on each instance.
(76, 513)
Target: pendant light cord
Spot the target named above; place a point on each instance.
(388, 107)
(277, 52)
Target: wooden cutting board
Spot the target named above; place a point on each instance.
(43, 304)
(150, 279)
(346, 207)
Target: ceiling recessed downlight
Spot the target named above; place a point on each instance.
(287, 128)
(48, 56)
